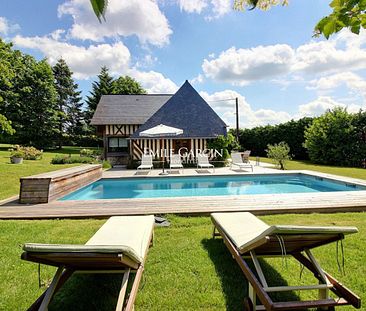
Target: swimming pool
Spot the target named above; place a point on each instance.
(123, 188)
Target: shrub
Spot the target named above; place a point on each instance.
(279, 153)
(86, 153)
(61, 159)
(337, 138)
(224, 144)
(90, 153)
(106, 164)
(256, 139)
(17, 154)
(27, 153)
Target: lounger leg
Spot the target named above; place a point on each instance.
(51, 290)
(122, 292)
(135, 286)
(252, 295)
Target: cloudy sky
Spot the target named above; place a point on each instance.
(267, 59)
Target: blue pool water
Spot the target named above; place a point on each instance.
(206, 186)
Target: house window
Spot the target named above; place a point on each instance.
(117, 144)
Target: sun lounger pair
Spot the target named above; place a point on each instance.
(121, 245)
(247, 237)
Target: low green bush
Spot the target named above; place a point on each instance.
(62, 159)
(90, 153)
(106, 165)
(27, 153)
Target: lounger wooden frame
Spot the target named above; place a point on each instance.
(258, 286)
(70, 263)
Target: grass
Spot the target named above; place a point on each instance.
(336, 170)
(186, 269)
(10, 173)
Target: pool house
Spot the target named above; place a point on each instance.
(122, 119)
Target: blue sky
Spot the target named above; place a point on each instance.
(267, 59)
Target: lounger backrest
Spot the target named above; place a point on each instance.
(236, 158)
(146, 159)
(246, 155)
(246, 231)
(202, 159)
(175, 159)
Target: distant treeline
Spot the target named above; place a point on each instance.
(337, 138)
(256, 139)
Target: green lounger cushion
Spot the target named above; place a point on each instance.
(129, 235)
(244, 229)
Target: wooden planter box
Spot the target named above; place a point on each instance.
(46, 187)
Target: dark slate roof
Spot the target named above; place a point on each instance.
(188, 111)
(127, 109)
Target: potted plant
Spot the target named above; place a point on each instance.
(17, 156)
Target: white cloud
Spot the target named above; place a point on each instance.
(242, 66)
(197, 80)
(154, 82)
(328, 56)
(142, 18)
(6, 27)
(321, 104)
(344, 52)
(192, 6)
(248, 117)
(83, 61)
(86, 62)
(212, 9)
(353, 81)
(220, 8)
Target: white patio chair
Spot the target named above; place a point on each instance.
(175, 162)
(202, 162)
(146, 162)
(237, 160)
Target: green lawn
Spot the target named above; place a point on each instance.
(10, 173)
(307, 165)
(186, 269)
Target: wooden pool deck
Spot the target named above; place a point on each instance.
(258, 204)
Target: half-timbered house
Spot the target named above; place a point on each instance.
(120, 119)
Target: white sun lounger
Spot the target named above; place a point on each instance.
(175, 162)
(146, 162)
(246, 236)
(202, 162)
(237, 160)
(119, 246)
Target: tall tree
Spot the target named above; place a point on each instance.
(103, 86)
(127, 86)
(34, 113)
(8, 65)
(68, 101)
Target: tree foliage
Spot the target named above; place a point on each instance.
(7, 74)
(126, 85)
(70, 116)
(279, 153)
(224, 144)
(28, 97)
(292, 132)
(103, 86)
(337, 138)
(345, 14)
